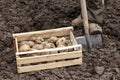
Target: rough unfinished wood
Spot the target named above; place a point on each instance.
(74, 41)
(47, 50)
(49, 57)
(73, 38)
(44, 34)
(33, 62)
(49, 65)
(16, 44)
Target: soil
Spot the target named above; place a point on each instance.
(31, 15)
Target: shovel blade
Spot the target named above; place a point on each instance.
(95, 39)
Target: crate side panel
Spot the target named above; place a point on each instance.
(50, 65)
(50, 57)
(47, 50)
(16, 44)
(44, 33)
(72, 37)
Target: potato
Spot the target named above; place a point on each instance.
(49, 45)
(68, 43)
(37, 47)
(36, 39)
(33, 38)
(52, 39)
(30, 43)
(52, 45)
(61, 41)
(39, 40)
(44, 44)
(24, 47)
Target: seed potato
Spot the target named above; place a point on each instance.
(24, 47)
(37, 47)
(61, 41)
(39, 43)
(52, 39)
(30, 43)
(39, 40)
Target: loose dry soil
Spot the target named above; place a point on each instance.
(31, 15)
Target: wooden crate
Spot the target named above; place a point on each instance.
(49, 61)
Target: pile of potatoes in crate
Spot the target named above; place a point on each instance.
(39, 43)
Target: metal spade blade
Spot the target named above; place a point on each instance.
(96, 41)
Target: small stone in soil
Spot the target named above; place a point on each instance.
(99, 70)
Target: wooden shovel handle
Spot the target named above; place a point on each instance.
(85, 23)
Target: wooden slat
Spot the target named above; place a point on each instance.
(49, 57)
(44, 33)
(47, 50)
(16, 44)
(49, 65)
(73, 38)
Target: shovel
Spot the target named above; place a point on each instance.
(88, 41)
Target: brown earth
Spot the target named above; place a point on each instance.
(31, 15)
